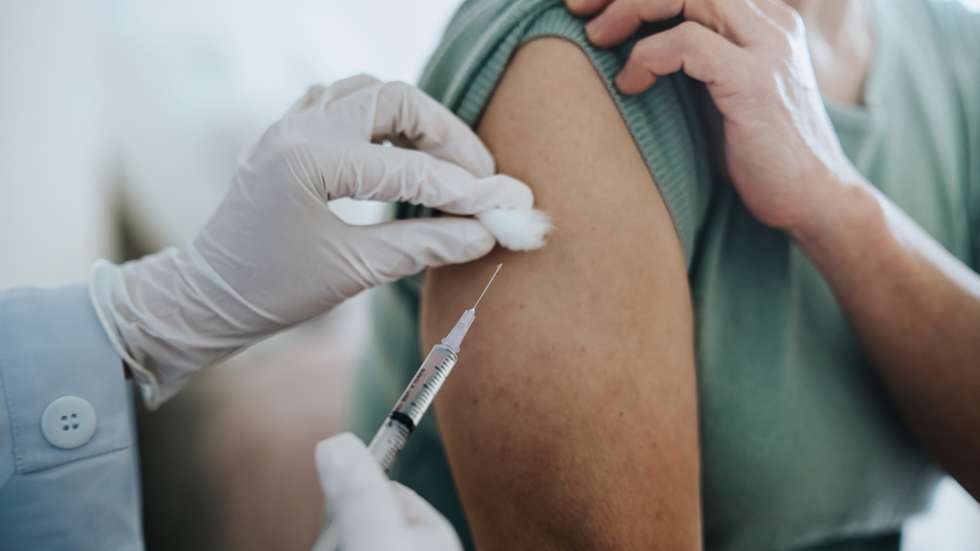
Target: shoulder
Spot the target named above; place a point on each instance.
(482, 44)
(551, 85)
(475, 48)
(553, 123)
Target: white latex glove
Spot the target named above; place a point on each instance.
(273, 254)
(369, 512)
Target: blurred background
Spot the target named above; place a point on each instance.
(120, 123)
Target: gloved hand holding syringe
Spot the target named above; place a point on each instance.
(274, 254)
(414, 402)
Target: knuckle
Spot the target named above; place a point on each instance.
(694, 41)
(297, 163)
(416, 173)
(395, 88)
(691, 9)
(687, 27)
(713, 6)
(400, 85)
(401, 98)
(782, 43)
(342, 181)
(419, 169)
(794, 21)
(641, 52)
(789, 21)
(315, 89)
(687, 33)
(645, 54)
(780, 13)
(367, 77)
(710, 12)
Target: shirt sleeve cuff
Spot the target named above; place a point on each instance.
(103, 274)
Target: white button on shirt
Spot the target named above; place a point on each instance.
(68, 422)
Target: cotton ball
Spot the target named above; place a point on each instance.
(517, 229)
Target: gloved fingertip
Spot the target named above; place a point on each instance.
(314, 91)
(307, 99)
(485, 165)
(422, 516)
(479, 241)
(338, 454)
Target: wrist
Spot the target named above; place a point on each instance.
(168, 316)
(840, 208)
(833, 197)
(105, 282)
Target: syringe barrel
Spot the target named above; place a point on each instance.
(388, 442)
(420, 393)
(411, 407)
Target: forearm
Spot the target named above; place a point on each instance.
(916, 309)
(67, 425)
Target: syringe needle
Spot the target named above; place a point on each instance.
(455, 337)
(489, 283)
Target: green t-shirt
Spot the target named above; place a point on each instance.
(801, 449)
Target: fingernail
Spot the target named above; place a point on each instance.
(626, 83)
(330, 452)
(593, 30)
(620, 80)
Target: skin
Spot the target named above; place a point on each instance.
(841, 41)
(627, 476)
(919, 321)
(595, 447)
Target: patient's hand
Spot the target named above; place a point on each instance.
(580, 371)
(781, 149)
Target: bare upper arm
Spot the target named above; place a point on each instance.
(580, 368)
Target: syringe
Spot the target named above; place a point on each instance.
(422, 390)
(413, 403)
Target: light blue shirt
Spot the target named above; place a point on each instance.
(51, 497)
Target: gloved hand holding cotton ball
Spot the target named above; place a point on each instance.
(517, 229)
(273, 254)
(505, 207)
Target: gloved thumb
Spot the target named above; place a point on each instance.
(428, 524)
(394, 250)
(361, 504)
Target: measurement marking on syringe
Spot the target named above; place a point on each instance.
(422, 389)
